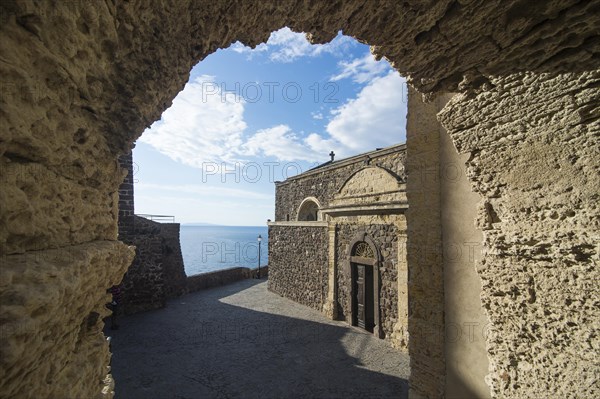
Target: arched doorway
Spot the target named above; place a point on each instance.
(364, 286)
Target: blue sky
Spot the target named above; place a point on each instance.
(248, 117)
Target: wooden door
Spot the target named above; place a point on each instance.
(360, 296)
(363, 301)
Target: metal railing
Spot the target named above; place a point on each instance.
(158, 218)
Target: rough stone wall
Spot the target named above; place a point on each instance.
(534, 161)
(325, 183)
(385, 237)
(157, 272)
(143, 286)
(81, 81)
(465, 321)
(424, 249)
(51, 311)
(126, 198)
(173, 267)
(298, 263)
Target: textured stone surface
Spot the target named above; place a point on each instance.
(157, 272)
(325, 183)
(540, 220)
(298, 261)
(33, 219)
(465, 321)
(424, 249)
(51, 310)
(385, 237)
(173, 267)
(299, 254)
(81, 80)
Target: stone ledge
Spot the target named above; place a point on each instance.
(217, 278)
(299, 224)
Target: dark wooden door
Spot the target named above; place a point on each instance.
(363, 301)
(360, 296)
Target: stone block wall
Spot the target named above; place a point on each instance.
(324, 183)
(385, 237)
(126, 197)
(173, 267)
(298, 263)
(143, 286)
(157, 272)
(424, 248)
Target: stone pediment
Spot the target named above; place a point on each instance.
(373, 187)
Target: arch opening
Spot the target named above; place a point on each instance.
(95, 79)
(309, 211)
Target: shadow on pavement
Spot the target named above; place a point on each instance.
(201, 347)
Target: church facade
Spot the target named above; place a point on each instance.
(338, 242)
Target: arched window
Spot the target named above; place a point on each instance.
(309, 210)
(364, 250)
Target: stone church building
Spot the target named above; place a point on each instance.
(338, 241)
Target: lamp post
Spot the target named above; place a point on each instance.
(259, 240)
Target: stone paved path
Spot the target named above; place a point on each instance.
(242, 341)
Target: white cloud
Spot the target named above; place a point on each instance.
(281, 143)
(362, 70)
(286, 46)
(203, 190)
(242, 49)
(323, 146)
(207, 125)
(375, 118)
(317, 115)
(203, 124)
(292, 45)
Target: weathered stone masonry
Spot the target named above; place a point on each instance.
(157, 272)
(386, 238)
(310, 260)
(540, 223)
(80, 83)
(300, 253)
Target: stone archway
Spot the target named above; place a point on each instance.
(81, 83)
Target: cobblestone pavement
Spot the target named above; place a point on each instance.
(242, 341)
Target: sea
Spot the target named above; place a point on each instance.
(209, 248)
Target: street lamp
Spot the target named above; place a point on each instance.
(259, 240)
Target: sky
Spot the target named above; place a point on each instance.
(249, 117)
